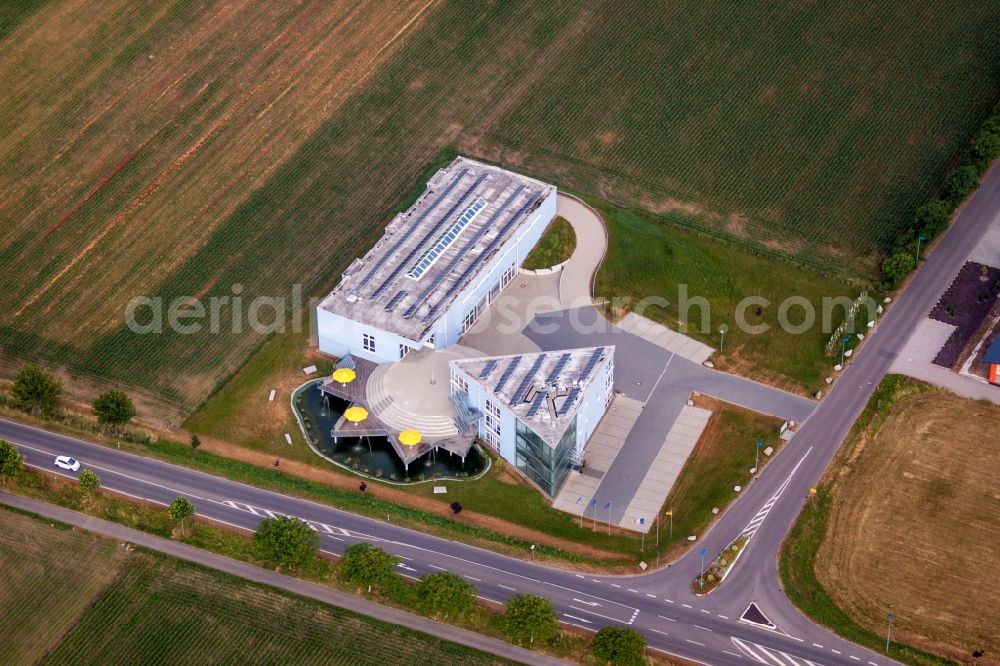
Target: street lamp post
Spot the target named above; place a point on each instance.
(701, 577)
(532, 552)
(722, 336)
(756, 457)
(916, 259)
(888, 635)
(843, 349)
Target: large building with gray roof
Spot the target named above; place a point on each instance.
(439, 264)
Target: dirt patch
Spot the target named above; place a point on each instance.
(914, 525)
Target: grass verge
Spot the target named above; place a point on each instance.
(797, 559)
(554, 247)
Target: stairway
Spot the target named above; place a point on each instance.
(430, 426)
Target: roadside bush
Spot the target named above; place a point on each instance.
(11, 461)
(286, 541)
(528, 617)
(619, 646)
(89, 481)
(960, 183)
(367, 566)
(897, 267)
(932, 218)
(181, 509)
(985, 147)
(36, 390)
(114, 408)
(445, 594)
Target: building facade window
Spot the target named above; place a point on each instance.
(469, 321)
(541, 463)
(404, 350)
(368, 342)
(459, 385)
(492, 424)
(508, 275)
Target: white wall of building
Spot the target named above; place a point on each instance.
(339, 336)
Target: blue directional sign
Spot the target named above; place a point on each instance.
(702, 552)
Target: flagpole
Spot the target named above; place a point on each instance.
(609, 518)
(657, 539)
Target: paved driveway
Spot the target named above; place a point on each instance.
(663, 381)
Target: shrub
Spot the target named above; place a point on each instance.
(365, 565)
(445, 594)
(985, 147)
(897, 267)
(528, 617)
(195, 441)
(11, 461)
(619, 646)
(36, 390)
(286, 541)
(89, 481)
(113, 407)
(960, 183)
(932, 218)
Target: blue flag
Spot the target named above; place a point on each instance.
(608, 505)
(702, 552)
(593, 502)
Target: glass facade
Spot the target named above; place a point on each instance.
(544, 465)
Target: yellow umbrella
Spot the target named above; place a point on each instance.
(409, 437)
(356, 414)
(344, 375)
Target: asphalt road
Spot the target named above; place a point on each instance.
(702, 629)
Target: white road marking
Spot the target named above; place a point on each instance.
(817, 645)
(669, 601)
(574, 617)
(506, 587)
(694, 642)
(651, 596)
(853, 657)
(735, 654)
(705, 611)
(616, 585)
(758, 519)
(586, 603)
(724, 617)
(659, 632)
(698, 626)
(434, 566)
(631, 590)
(668, 619)
(590, 612)
(686, 605)
(835, 651)
(478, 580)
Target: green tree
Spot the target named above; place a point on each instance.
(897, 267)
(932, 218)
(286, 541)
(529, 617)
(368, 566)
(11, 461)
(180, 509)
(619, 646)
(113, 407)
(195, 441)
(36, 390)
(961, 182)
(89, 481)
(985, 148)
(444, 593)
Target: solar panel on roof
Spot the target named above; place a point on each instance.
(594, 358)
(560, 364)
(400, 295)
(488, 368)
(403, 237)
(536, 404)
(485, 254)
(461, 254)
(527, 380)
(568, 403)
(506, 374)
(406, 261)
(446, 239)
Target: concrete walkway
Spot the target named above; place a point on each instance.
(916, 360)
(280, 581)
(577, 276)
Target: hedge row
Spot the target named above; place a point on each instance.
(932, 218)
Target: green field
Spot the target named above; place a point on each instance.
(554, 247)
(168, 149)
(89, 600)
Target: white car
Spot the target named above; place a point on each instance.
(72, 464)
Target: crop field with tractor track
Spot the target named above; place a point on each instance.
(223, 149)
